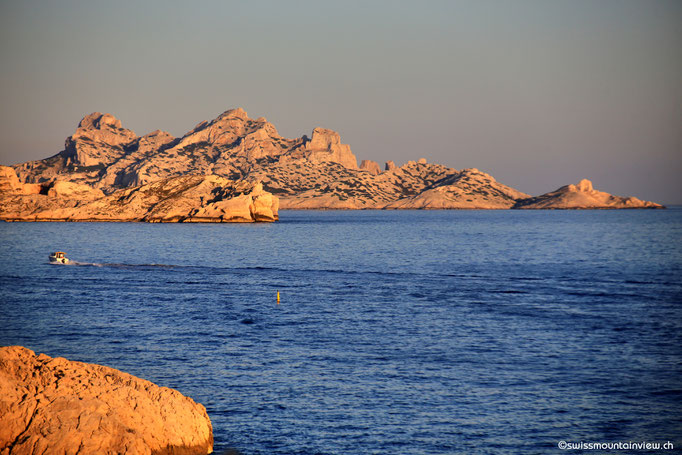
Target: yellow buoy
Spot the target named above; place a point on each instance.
(277, 297)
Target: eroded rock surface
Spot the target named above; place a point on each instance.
(319, 172)
(468, 189)
(310, 173)
(53, 405)
(191, 198)
(583, 196)
(370, 166)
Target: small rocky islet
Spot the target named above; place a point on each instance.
(238, 169)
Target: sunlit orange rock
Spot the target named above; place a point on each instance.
(191, 198)
(370, 166)
(316, 172)
(53, 405)
(583, 196)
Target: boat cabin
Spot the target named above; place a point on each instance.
(59, 256)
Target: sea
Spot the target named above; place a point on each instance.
(396, 332)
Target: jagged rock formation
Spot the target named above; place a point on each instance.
(104, 155)
(10, 184)
(331, 186)
(190, 198)
(583, 196)
(370, 166)
(305, 173)
(53, 405)
(312, 173)
(469, 189)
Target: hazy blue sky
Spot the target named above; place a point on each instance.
(537, 93)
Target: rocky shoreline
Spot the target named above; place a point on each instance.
(187, 199)
(54, 405)
(239, 169)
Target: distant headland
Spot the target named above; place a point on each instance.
(238, 169)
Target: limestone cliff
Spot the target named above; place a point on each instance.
(319, 172)
(583, 196)
(190, 198)
(469, 189)
(53, 405)
(370, 166)
(103, 154)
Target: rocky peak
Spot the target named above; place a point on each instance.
(475, 173)
(323, 139)
(156, 134)
(585, 186)
(97, 120)
(227, 129)
(325, 145)
(371, 166)
(103, 127)
(98, 140)
(153, 140)
(237, 113)
(390, 165)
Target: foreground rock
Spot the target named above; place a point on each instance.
(58, 406)
(583, 196)
(192, 198)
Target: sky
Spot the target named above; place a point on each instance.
(537, 93)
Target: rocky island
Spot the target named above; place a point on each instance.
(582, 196)
(53, 405)
(238, 169)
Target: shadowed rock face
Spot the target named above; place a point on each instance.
(53, 405)
(318, 172)
(583, 196)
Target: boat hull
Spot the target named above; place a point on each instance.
(58, 260)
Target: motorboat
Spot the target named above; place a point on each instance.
(60, 257)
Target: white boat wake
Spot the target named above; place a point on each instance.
(114, 265)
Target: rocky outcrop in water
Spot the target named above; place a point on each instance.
(583, 196)
(53, 405)
(319, 172)
(192, 198)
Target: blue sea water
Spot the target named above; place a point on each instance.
(398, 332)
